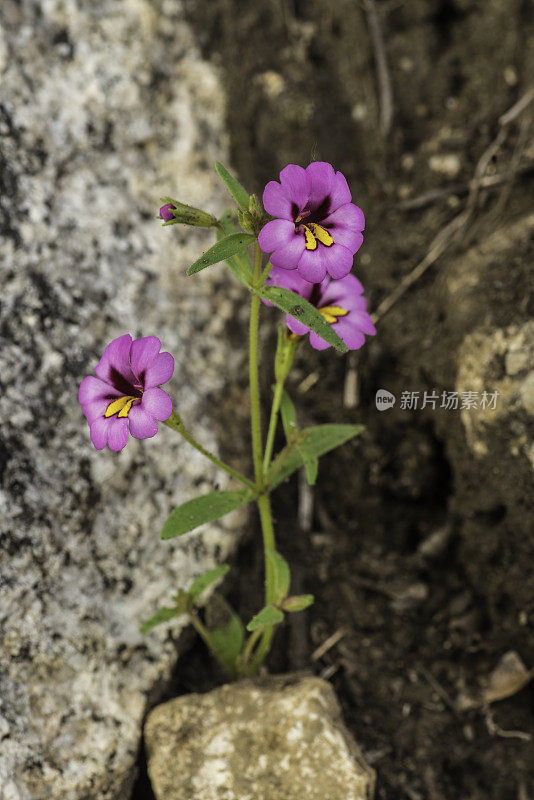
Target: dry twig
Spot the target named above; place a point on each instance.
(446, 236)
(382, 72)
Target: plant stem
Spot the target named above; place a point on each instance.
(203, 632)
(264, 505)
(285, 355)
(266, 519)
(279, 388)
(265, 274)
(249, 647)
(255, 413)
(262, 650)
(176, 424)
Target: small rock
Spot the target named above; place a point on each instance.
(446, 164)
(278, 738)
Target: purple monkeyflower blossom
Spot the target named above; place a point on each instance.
(125, 397)
(317, 228)
(340, 302)
(166, 212)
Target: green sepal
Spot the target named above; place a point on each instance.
(289, 415)
(304, 312)
(188, 215)
(281, 575)
(268, 616)
(237, 191)
(297, 602)
(222, 251)
(206, 580)
(206, 508)
(226, 633)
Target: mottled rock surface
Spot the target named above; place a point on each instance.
(104, 107)
(276, 739)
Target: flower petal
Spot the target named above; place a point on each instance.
(143, 352)
(92, 388)
(351, 334)
(345, 292)
(312, 266)
(295, 181)
(296, 326)
(276, 234)
(337, 260)
(347, 216)
(159, 371)
(118, 433)
(349, 238)
(95, 409)
(116, 358)
(276, 201)
(288, 256)
(290, 279)
(363, 321)
(321, 175)
(99, 430)
(339, 193)
(142, 424)
(157, 403)
(317, 342)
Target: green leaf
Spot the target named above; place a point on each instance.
(242, 268)
(239, 194)
(162, 615)
(206, 508)
(319, 440)
(281, 575)
(270, 615)
(304, 312)
(222, 251)
(289, 415)
(226, 633)
(310, 461)
(297, 602)
(201, 583)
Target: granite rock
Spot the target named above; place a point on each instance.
(104, 107)
(278, 738)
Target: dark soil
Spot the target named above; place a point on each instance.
(419, 555)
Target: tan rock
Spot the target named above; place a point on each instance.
(278, 738)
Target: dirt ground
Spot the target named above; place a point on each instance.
(419, 548)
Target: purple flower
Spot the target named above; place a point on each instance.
(125, 396)
(340, 302)
(166, 212)
(317, 229)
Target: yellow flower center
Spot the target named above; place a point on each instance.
(331, 313)
(314, 233)
(121, 407)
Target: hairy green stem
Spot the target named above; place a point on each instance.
(255, 413)
(249, 647)
(264, 505)
(175, 423)
(277, 399)
(203, 632)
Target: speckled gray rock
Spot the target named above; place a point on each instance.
(104, 106)
(513, 347)
(273, 739)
